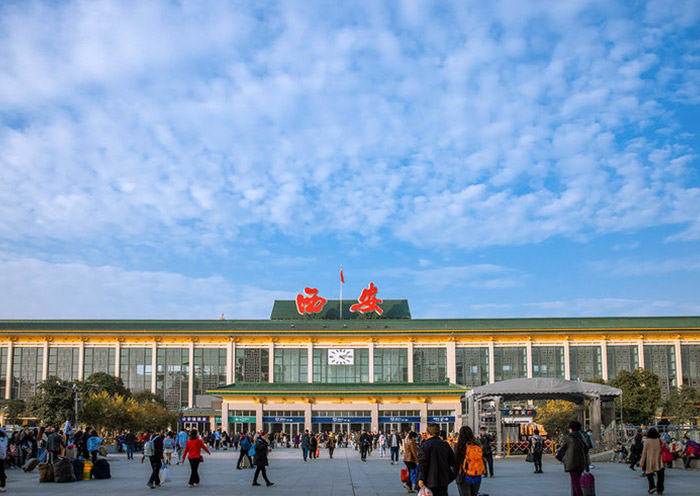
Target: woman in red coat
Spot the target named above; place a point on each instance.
(193, 452)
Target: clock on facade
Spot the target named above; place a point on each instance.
(341, 356)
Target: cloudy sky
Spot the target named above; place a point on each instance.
(179, 159)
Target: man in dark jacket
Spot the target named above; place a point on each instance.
(485, 440)
(573, 453)
(305, 442)
(54, 443)
(365, 443)
(260, 459)
(156, 458)
(436, 463)
(636, 449)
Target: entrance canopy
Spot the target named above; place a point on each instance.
(545, 388)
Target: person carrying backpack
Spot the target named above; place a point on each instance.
(537, 448)
(470, 460)
(153, 449)
(245, 447)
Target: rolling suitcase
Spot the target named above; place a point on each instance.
(30, 465)
(588, 484)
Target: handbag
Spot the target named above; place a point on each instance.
(666, 455)
(405, 475)
(530, 457)
(424, 491)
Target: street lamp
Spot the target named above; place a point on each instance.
(73, 388)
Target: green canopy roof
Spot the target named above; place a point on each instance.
(315, 389)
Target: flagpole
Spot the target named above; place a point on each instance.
(341, 291)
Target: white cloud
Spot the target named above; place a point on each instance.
(631, 267)
(34, 288)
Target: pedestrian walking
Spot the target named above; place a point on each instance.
(3, 454)
(365, 443)
(410, 459)
(313, 446)
(245, 448)
(537, 448)
(652, 461)
(485, 440)
(436, 463)
(261, 461)
(573, 453)
(168, 447)
(470, 462)
(153, 449)
(395, 443)
(305, 442)
(130, 441)
(382, 445)
(636, 448)
(193, 454)
(331, 445)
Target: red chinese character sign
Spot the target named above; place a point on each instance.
(368, 301)
(310, 302)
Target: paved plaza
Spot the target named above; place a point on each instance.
(345, 475)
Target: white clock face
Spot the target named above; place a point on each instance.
(341, 357)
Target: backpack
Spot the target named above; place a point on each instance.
(101, 469)
(245, 444)
(63, 471)
(149, 448)
(538, 447)
(45, 472)
(473, 464)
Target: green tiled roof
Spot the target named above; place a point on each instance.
(307, 389)
(391, 309)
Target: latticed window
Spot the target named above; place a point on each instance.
(622, 358)
(509, 363)
(98, 359)
(548, 361)
(661, 360)
(690, 355)
(252, 364)
(429, 364)
(209, 369)
(135, 368)
(63, 363)
(172, 373)
(390, 365)
(26, 371)
(472, 366)
(357, 372)
(3, 369)
(291, 365)
(585, 362)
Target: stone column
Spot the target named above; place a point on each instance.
(371, 364)
(81, 360)
(640, 352)
(8, 372)
(492, 370)
(190, 377)
(596, 418)
(423, 417)
(258, 417)
(374, 412)
(231, 362)
(310, 369)
(679, 362)
(224, 416)
(528, 357)
(271, 362)
(452, 362)
(604, 358)
(117, 359)
(567, 361)
(409, 361)
(45, 362)
(499, 427)
(154, 366)
(307, 416)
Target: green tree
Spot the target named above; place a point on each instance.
(683, 405)
(152, 416)
(54, 403)
(555, 415)
(143, 397)
(641, 395)
(14, 409)
(101, 381)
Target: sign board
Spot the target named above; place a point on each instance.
(283, 420)
(386, 420)
(195, 419)
(444, 418)
(341, 420)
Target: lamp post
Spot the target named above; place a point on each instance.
(73, 388)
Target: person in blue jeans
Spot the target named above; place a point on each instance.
(394, 444)
(305, 442)
(130, 441)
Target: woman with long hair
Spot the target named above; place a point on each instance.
(193, 452)
(410, 458)
(652, 461)
(469, 474)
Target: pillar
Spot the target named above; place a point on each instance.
(8, 372)
(190, 377)
(307, 416)
(640, 352)
(567, 361)
(499, 427)
(492, 370)
(472, 415)
(271, 362)
(604, 358)
(374, 413)
(452, 362)
(224, 416)
(117, 358)
(81, 360)
(310, 369)
(409, 360)
(231, 362)
(154, 366)
(423, 417)
(45, 362)
(371, 364)
(596, 418)
(528, 356)
(679, 362)
(258, 416)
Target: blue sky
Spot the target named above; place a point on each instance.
(481, 159)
